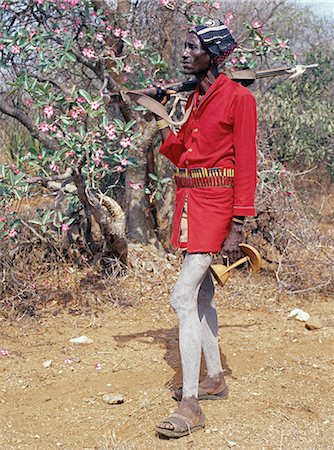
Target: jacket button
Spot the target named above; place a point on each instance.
(195, 130)
(190, 150)
(186, 162)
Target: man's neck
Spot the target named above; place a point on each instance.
(206, 80)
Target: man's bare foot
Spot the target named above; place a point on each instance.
(211, 388)
(214, 385)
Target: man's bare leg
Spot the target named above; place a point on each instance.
(214, 383)
(184, 300)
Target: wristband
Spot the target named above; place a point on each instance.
(161, 124)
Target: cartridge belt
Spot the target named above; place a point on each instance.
(201, 177)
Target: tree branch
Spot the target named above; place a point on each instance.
(25, 120)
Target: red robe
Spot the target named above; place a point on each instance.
(220, 132)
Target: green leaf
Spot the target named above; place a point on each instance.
(85, 95)
(153, 177)
(129, 125)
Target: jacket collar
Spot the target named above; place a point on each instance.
(220, 80)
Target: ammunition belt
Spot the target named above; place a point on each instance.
(200, 177)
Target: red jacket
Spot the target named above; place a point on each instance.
(220, 132)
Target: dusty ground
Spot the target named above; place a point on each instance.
(280, 374)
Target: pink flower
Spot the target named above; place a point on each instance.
(71, 154)
(88, 52)
(243, 60)
(110, 131)
(94, 105)
(124, 162)
(1, 46)
(12, 234)
(267, 41)
(125, 33)
(137, 43)
(65, 227)
(282, 44)
(135, 186)
(125, 142)
(74, 114)
(216, 5)
(53, 166)
(117, 32)
(80, 100)
(15, 49)
(228, 18)
(44, 127)
(258, 25)
(49, 111)
(119, 169)
(99, 37)
(3, 219)
(81, 35)
(234, 60)
(3, 352)
(98, 366)
(128, 69)
(98, 161)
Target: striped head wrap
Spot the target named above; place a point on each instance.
(216, 39)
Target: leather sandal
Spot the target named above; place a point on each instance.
(183, 426)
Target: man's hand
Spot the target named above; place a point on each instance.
(231, 247)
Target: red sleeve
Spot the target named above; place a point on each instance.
(244, 140)
(173, 147)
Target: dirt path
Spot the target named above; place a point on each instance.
(280, 375)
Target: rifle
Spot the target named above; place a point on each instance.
(145, 97)
(245, 77)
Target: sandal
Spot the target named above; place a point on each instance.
(183, 426)
(202, 394)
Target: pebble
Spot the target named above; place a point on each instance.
(299, 314)
(47, 364)
(313, 323)
(81, 340)
(113, 399)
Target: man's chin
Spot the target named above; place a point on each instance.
(187, 71)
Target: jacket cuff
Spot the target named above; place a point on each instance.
(244, 211)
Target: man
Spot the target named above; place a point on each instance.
(215, 156)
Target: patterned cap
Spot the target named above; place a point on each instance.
(216, 39)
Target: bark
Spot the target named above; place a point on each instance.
(137, 207)
(110, 218)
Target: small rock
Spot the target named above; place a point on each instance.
(113, 399)
(313, 323)
(90, 400)
(149, 266)
(231, 444)
(47, 364)
(299, 314)
(81, 340)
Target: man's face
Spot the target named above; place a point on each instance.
(196, 60)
